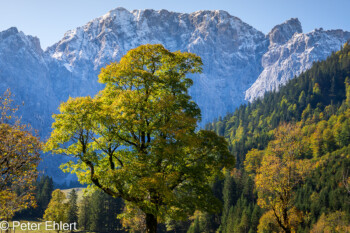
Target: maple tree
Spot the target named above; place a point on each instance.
(56, 210)
(137, 138)
(332, 222)
(19, 158)
(278, 172)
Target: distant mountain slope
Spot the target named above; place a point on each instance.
(24, 69)
(314, 96)
(231, 50)
(235, 56)
(316, 106)
(240, 63)
(291, 52)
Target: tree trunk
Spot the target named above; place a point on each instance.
(151, 223)
(286, 221)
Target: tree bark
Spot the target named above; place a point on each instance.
(151, 223)
(286, 221)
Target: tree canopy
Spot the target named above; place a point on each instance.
(318, 103)
(19, 158)
(57, 208)
(279, 172)
(137, 138)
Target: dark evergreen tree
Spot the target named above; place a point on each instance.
(84, 213)
(72, 214)
(43, 191)
(319, 99)
(229, 197)
(256, 214)
(103, 213)
(43, 197)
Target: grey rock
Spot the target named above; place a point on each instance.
(281, 33)
(240, 62)
(285, 60)
(231, 51)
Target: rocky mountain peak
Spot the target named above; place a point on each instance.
(281, 33)
(12, 40)
(240, 62)
(9, 32)
(291, 53)
(229, 48)
(116, 13)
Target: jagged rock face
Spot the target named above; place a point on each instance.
(280, 34)
(36, 81)
(291, 52)
(231, 51)
(23, 69)
(239, 61)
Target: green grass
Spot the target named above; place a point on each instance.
(80, 192)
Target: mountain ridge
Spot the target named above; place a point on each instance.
(204, 33)
(240, 62)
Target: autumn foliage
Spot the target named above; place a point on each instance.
(278, 172)
(137, 138)
(19, 158)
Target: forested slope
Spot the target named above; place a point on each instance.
(314, 111)
(307, 96)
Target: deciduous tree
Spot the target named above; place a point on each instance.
(332, 222)
(281, 170)
(137, 138)
(19, 158)
(57, 208)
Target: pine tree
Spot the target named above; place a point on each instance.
(112, 207)
(244, 225)
(230, 221)
(96, 215)
(102, 212)
(255, 218)
(229, 199)
(347, 90)
(84, 213)
(72, 215)
(45, 192)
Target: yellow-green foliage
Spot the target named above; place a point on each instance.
(284, 164)
(332, 222)
(317, 104)
(56, 210)
(80, 192)
(278, 170)
(19, 158)
(137, 138)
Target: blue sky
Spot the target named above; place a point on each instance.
(50, 19)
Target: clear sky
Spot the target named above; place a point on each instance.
(50, 19)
